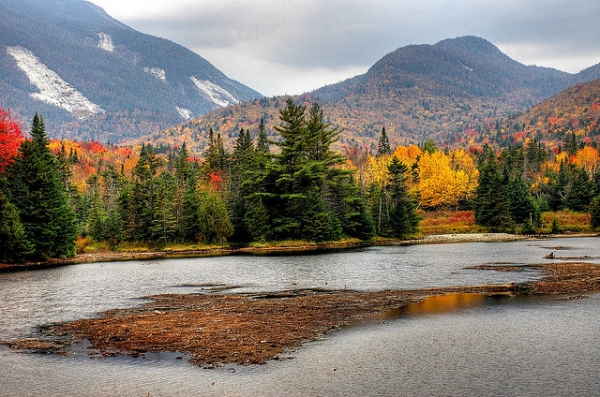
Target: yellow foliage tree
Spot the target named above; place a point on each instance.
(588, 158)
(377, 170)
(445, 180)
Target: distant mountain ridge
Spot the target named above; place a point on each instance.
(93, 77)
(416, 92)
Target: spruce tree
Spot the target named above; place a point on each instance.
(595, 212)
(215, 225)
(262, 146)
(242, 161)
(144, 195)
(403, 216)
(491, 204)
(14, 246)
(38, 192)
(522, 204)
(580, 192)
(383, 148)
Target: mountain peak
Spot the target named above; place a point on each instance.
(472, 44)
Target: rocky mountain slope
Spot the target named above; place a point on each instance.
(93, 77)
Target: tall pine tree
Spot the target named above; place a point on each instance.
(38, 192)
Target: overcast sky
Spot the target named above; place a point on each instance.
(289, 47)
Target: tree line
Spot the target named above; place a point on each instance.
(293, 188)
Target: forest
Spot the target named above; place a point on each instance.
(59, 197)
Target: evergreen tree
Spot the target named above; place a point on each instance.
(596, 182)
(97, 218)
(429, 146)
(304, 183)
(164, 220)
(14, 246)
(491, 204)
(522, 204)
(262, 146)
(257, 219)
(580, 192)
(113, 227)
(595, 212)
(380, 209)
(215, 225)
(287, 180)
(144, 197)
(216, 156)
(241, 163)
(403, 216)
(38, 192)
(558, 191)
(383, 148)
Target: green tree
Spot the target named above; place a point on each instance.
(580, 192)
(491, 203)
(595, 212)
(257, 219)
(215, 157)
(262, 146)
(242, 161)
(215, 225)
(403, 216)
(38, 192)
(523, 207)
(143, 199)
(164, 220)
(383, 147)
(14, 246)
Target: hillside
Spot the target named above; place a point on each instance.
(417, 92)
(93, 77)
(575, 110)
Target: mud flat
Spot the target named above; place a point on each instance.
(217, 329)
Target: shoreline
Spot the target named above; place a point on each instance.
(247, 329)
(111, 256)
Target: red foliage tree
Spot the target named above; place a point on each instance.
(10, 139)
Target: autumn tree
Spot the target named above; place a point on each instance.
(10, 139)
(440, 184)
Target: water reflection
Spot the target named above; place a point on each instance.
(446, 303)
(441, 304)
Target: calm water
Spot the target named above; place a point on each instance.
(459, 346)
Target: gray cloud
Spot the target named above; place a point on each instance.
(293, 40)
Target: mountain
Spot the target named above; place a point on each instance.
(417, 92)
(93, 77)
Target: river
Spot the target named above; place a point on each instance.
(455, 346)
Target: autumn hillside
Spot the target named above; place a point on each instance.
(445, 92)
(573, 111)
